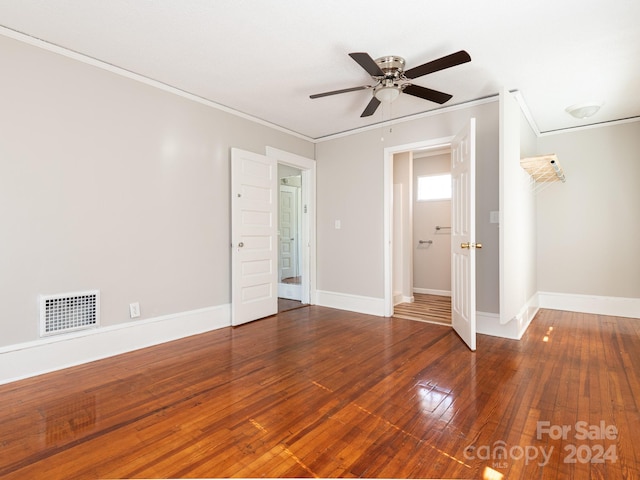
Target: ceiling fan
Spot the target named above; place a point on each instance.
(391, 78)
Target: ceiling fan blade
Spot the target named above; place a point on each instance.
(439, 64)
(371, 108)
(344, 90)
(427, 93)
(368, 63)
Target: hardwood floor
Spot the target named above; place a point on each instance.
(316, 392)
(426, 308)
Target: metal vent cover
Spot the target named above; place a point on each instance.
(67, 312)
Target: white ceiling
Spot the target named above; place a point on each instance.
(265, 57)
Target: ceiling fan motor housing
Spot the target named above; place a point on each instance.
(392, 66)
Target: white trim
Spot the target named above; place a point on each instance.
(49, 354)
(409, 118)
(431, 291)
(489, 324)
(398, 298)
(589, 127)
(532, 123)
(388, 210)
(290, 291)
(36, 42)
(524, 108)
(595, 304)
(404, 299)
(308, 227)
(352, 303)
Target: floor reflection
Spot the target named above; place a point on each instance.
(69, 417)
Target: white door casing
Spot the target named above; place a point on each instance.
(463, 246)
(307, 220)
(388, 247)
(254, 272)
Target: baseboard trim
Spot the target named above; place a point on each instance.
(493, 324)
(598, 305)
(49, 354)
(489, 324)
(352, 303)
(431, 291)
(290, 291)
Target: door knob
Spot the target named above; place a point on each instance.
(470, 245)
(241, 244)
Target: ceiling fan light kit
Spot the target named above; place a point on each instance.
(392, 80)
(386, 93)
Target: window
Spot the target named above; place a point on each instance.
(434, 187)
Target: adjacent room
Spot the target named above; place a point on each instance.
(318, 239)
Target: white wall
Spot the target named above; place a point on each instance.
(111, 184)
(517, 219)
(589, 227)
(350, 173)
(431, 262)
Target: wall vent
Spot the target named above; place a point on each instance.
(68, 312)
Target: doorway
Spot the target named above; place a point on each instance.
(296, 229)
(463, 227)
(422, 234)
(254, 225)
(289, 237)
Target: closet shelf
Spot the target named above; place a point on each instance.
(543, 169)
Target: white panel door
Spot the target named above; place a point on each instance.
(288, 228)
(254, 209)
(463, 246)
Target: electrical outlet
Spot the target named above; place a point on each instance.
(134, 310)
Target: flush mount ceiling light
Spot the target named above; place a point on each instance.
(583, 110)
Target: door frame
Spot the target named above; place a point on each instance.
(308, 220)
(389, 152)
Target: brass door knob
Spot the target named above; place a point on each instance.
(470, 245)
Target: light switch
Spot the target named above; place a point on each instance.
(338, 225)
(494, 216)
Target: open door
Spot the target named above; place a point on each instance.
(254, 212)
(463, 231)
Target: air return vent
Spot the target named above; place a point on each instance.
(68, 312)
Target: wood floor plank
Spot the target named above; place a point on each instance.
(316, 392)
(425, 308)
